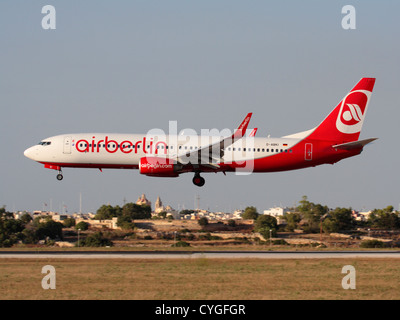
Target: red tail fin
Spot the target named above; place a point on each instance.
(344, 123)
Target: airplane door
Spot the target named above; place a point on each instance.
(308, 152)
(67, 145)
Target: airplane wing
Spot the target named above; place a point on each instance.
(354, 144)
(212, 154)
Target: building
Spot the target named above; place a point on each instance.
(237, 214)
(60, 217)
(159, 206)
(143, 201)
(276, 212)
(110, 224)
(363, 216)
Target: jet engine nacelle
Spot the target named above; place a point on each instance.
(158, 167)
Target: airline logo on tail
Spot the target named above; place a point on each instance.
(352, 111)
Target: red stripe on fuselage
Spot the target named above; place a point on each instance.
(92, 165)
(322, 153)
(295, 158)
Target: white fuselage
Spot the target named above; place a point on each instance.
(115, 149)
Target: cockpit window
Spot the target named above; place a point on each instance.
(44, 143)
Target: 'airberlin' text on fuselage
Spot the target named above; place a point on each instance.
(125, 146)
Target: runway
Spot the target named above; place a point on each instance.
(198, 254)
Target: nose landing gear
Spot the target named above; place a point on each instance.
(55, 167)
(60, 176)
(198, 180)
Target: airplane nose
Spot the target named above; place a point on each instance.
(30, 153)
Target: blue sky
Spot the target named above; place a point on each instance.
(131, 66)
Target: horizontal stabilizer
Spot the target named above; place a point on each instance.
(354, 144)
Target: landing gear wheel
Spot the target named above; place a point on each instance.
(59, 177)
(198, 180)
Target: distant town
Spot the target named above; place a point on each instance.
(138, 224)
(166, 211)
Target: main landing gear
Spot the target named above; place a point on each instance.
(198, 180)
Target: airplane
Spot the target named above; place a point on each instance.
(161, 155)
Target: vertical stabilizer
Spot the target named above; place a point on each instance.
(344, 123)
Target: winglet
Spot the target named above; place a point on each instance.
(253, 133)
(240, 131)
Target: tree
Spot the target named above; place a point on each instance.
(250, 213)
(69, 222)
(264, 224)
(339, 219)
(26, 218)
(10, 228)
(311, 214)
(125, 222)
(231, 223)
(292, 220)
(135, 211)
(384, 218)
(96, 240)
(181, 244)
(305, 205)
(203, 221)
(106, 212)
(51, 229)
(82, 226)
(29, 236)
(162, 214)
(372, 244)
